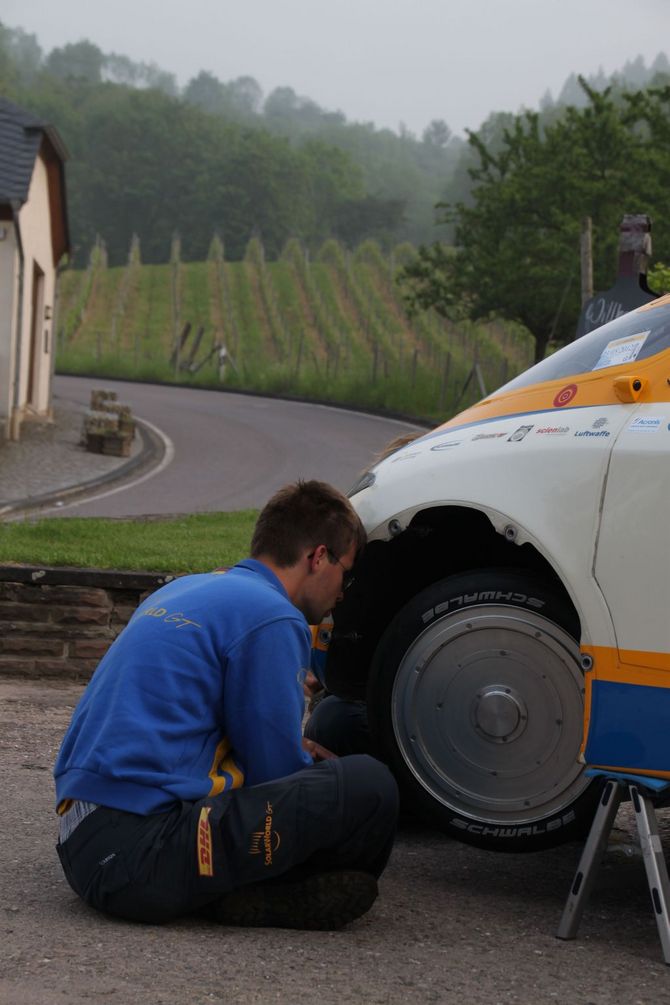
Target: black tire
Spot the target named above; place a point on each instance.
(476, 703)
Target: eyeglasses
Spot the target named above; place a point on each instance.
(347, 574)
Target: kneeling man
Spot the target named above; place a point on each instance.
(184, 784)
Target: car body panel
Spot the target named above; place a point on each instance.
(579, 467)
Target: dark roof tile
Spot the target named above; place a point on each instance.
(20, 139)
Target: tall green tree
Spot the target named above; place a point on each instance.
(516, 252)
(78, 61)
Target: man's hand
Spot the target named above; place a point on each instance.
(311, 684)
(317, 752)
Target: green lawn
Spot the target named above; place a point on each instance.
(194, 543)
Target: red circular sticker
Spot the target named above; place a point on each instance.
(565, 395)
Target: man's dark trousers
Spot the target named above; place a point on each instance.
(336, 815)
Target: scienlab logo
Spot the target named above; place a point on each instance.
(552, 431)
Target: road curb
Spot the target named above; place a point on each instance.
(151, 453)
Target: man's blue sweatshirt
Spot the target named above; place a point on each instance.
(201, 692)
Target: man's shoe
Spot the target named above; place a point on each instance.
(322, 902)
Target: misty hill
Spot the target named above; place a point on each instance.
(151, 158)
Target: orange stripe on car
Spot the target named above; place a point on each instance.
(625, 666)
(600, 387)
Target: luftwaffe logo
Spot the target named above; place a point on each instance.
(267, 841)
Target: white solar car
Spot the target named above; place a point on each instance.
(515, 591)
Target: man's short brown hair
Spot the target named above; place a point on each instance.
(304, 515)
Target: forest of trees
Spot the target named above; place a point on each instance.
(150, 158)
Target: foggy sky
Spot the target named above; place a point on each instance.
(384, 61)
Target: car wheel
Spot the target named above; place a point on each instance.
(476, 702)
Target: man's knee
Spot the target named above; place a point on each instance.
(340, 726)
(369, 785)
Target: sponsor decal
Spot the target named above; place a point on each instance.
(204, 843)
(621, 350)
(591, 432)
(405, 457)
(599, 423)
(446, 445)
(552, 430)
(489, 436)
(267, 841)
(484, 596)
(565, 395)
(646, 424)
(519, 434)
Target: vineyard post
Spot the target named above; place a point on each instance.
(299, 354)
(175, 254)
(134, 261)
(445, 378)
(375, 355)
(586, 259)
(123, 293)
(415, 359)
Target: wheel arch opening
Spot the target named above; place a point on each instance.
(439, 542)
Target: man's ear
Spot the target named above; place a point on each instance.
(318, 555)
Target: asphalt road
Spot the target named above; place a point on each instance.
(453, 925)
(232, 451)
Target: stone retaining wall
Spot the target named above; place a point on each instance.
(60, 622)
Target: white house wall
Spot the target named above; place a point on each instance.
(9, 278)
(35, 224)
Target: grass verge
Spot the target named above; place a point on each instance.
(196, 543)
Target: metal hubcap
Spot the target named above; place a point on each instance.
(487, 711)
(499, 713)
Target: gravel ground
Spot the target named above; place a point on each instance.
(452, 923)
